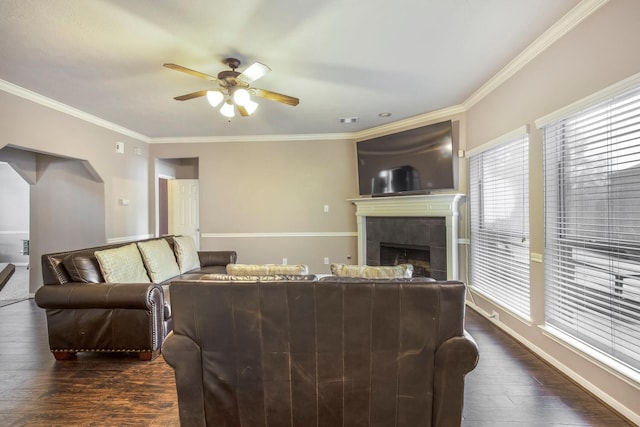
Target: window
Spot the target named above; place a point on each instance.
(592, 227)
(499, 195)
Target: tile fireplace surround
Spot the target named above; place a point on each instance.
(419, 220)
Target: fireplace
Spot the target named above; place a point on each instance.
(410, 236)
(417, 256)
(425, 222)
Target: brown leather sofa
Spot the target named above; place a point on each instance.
(85, 314)
(333, 352)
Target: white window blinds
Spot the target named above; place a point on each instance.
(499, 196)
(592, 227)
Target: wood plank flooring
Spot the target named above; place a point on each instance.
(513, 387)
(510, 386)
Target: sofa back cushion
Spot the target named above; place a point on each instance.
(122, 265)
(186, 253)
(401, 271)
(159, 260)
(266, 269)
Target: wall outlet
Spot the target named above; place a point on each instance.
(120, 147)
(325, 208)
(284, 261)
(535, 257)
(326, 260)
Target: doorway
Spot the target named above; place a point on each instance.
(183, 215)
(66, 206)
(14, 232)
(177, 197)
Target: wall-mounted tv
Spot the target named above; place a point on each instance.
(416, 161)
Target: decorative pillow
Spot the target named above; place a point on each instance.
(159, 259)
(265, 269)
(83, 268)
(259, 278)
(122, 265)
(373, 272)
(186, 253)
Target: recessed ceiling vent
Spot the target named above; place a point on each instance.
(347, 120)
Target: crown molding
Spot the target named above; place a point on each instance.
(409, 123)
(66, 109)
(570, 20)
(386, 129)
(251, 138)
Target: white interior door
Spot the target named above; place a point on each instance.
(183, 208)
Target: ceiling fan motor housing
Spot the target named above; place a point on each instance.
(233, 63)
(229, 78)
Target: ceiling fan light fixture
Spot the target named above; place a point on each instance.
(241, 97)
(227, 110)
(214, 97)
(254, 72)
(251, 106)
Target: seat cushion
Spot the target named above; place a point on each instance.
(122, 265)
(159, 260)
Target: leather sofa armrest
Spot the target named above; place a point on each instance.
(100, 295)
(222, 258)
(185, 357)
(455, 358)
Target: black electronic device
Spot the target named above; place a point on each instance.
(416, 161)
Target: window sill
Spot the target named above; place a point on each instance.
(618, 369)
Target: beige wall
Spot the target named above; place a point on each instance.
(599, 52)
(266, 199)
(32, 128)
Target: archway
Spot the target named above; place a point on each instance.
(66, 204)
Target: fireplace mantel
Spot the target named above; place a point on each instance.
(432, 205)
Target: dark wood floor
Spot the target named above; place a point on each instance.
(510, 386)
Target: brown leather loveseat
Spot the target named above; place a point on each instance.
(331, 352)
(87, 314)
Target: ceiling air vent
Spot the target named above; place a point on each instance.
(347, 120)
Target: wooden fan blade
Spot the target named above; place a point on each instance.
(253, 72)
(274, 96)
(243, 111)
(191, 95)
(190, 71)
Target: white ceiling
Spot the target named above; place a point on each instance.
(342, 58)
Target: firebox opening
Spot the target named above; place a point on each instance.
(418, 256)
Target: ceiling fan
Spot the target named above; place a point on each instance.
(234, 88)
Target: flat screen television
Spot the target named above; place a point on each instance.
(416, 161)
